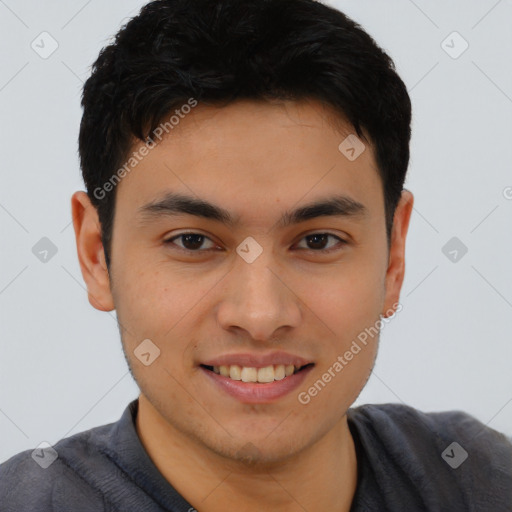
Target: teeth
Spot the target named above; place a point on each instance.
(235, 372)
(251, 374)
(279, 372)
(266, 374)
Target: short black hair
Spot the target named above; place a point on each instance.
(218, 51)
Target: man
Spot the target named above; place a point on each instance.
(246, 218)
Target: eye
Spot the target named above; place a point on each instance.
(190, 241)
(317, 242)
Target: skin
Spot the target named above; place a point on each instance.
(256, 160)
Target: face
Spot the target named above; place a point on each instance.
(243, 282)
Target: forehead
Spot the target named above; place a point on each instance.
(254, 154)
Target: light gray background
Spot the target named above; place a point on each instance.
(62, 368)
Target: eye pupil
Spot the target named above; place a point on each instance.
(315, 237)
(189, 237)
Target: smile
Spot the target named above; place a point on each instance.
(262, 375)
(244, 384)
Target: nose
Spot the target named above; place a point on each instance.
(258, 300)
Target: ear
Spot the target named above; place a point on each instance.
(90, 252)
(396, 264)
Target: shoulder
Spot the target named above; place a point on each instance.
(42, 479)
(453, 447)
(406, 421)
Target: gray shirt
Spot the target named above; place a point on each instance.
(408, 460)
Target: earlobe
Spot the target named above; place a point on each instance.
(396, 267)
(90, 252)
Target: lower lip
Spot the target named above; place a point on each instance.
(258, 393)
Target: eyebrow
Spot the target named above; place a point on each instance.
(172, 204)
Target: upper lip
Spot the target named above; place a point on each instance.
(257, 360)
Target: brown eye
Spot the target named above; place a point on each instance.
(317, 242)
(191, 242)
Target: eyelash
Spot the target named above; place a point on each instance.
(170, 242)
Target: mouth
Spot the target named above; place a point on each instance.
(256, 384)
(261, 375)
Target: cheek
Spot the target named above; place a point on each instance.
(157, 304)
(152, 306)
(347, 301)
(143, 301)
(347, 311)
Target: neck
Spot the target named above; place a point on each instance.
(322, 476)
